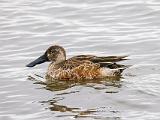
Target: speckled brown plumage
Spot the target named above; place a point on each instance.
(82, 67)
(74, 69)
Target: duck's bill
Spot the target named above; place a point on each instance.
(39, 60)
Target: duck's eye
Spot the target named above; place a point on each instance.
(52, 51)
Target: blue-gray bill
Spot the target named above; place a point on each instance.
(39, 60)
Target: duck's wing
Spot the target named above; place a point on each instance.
(112, 65)
(108, 61)
(76, 61)
(97, 59)
(70, 64)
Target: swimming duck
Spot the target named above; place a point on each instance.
(78, 67)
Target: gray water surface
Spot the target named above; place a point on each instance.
(98, 27)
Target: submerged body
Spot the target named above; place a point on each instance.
(79, 67)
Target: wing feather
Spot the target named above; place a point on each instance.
(100, 59)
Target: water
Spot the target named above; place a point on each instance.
(99, 27)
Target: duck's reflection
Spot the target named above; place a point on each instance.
(58, 85)
(78, 113)
(61, 88)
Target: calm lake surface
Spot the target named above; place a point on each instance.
(98, 27)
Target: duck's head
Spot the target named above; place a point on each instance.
(54, 53)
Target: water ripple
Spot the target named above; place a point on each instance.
(96, 27)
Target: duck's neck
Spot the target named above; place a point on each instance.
(59, 61)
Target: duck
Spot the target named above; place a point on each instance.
(80, 66)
